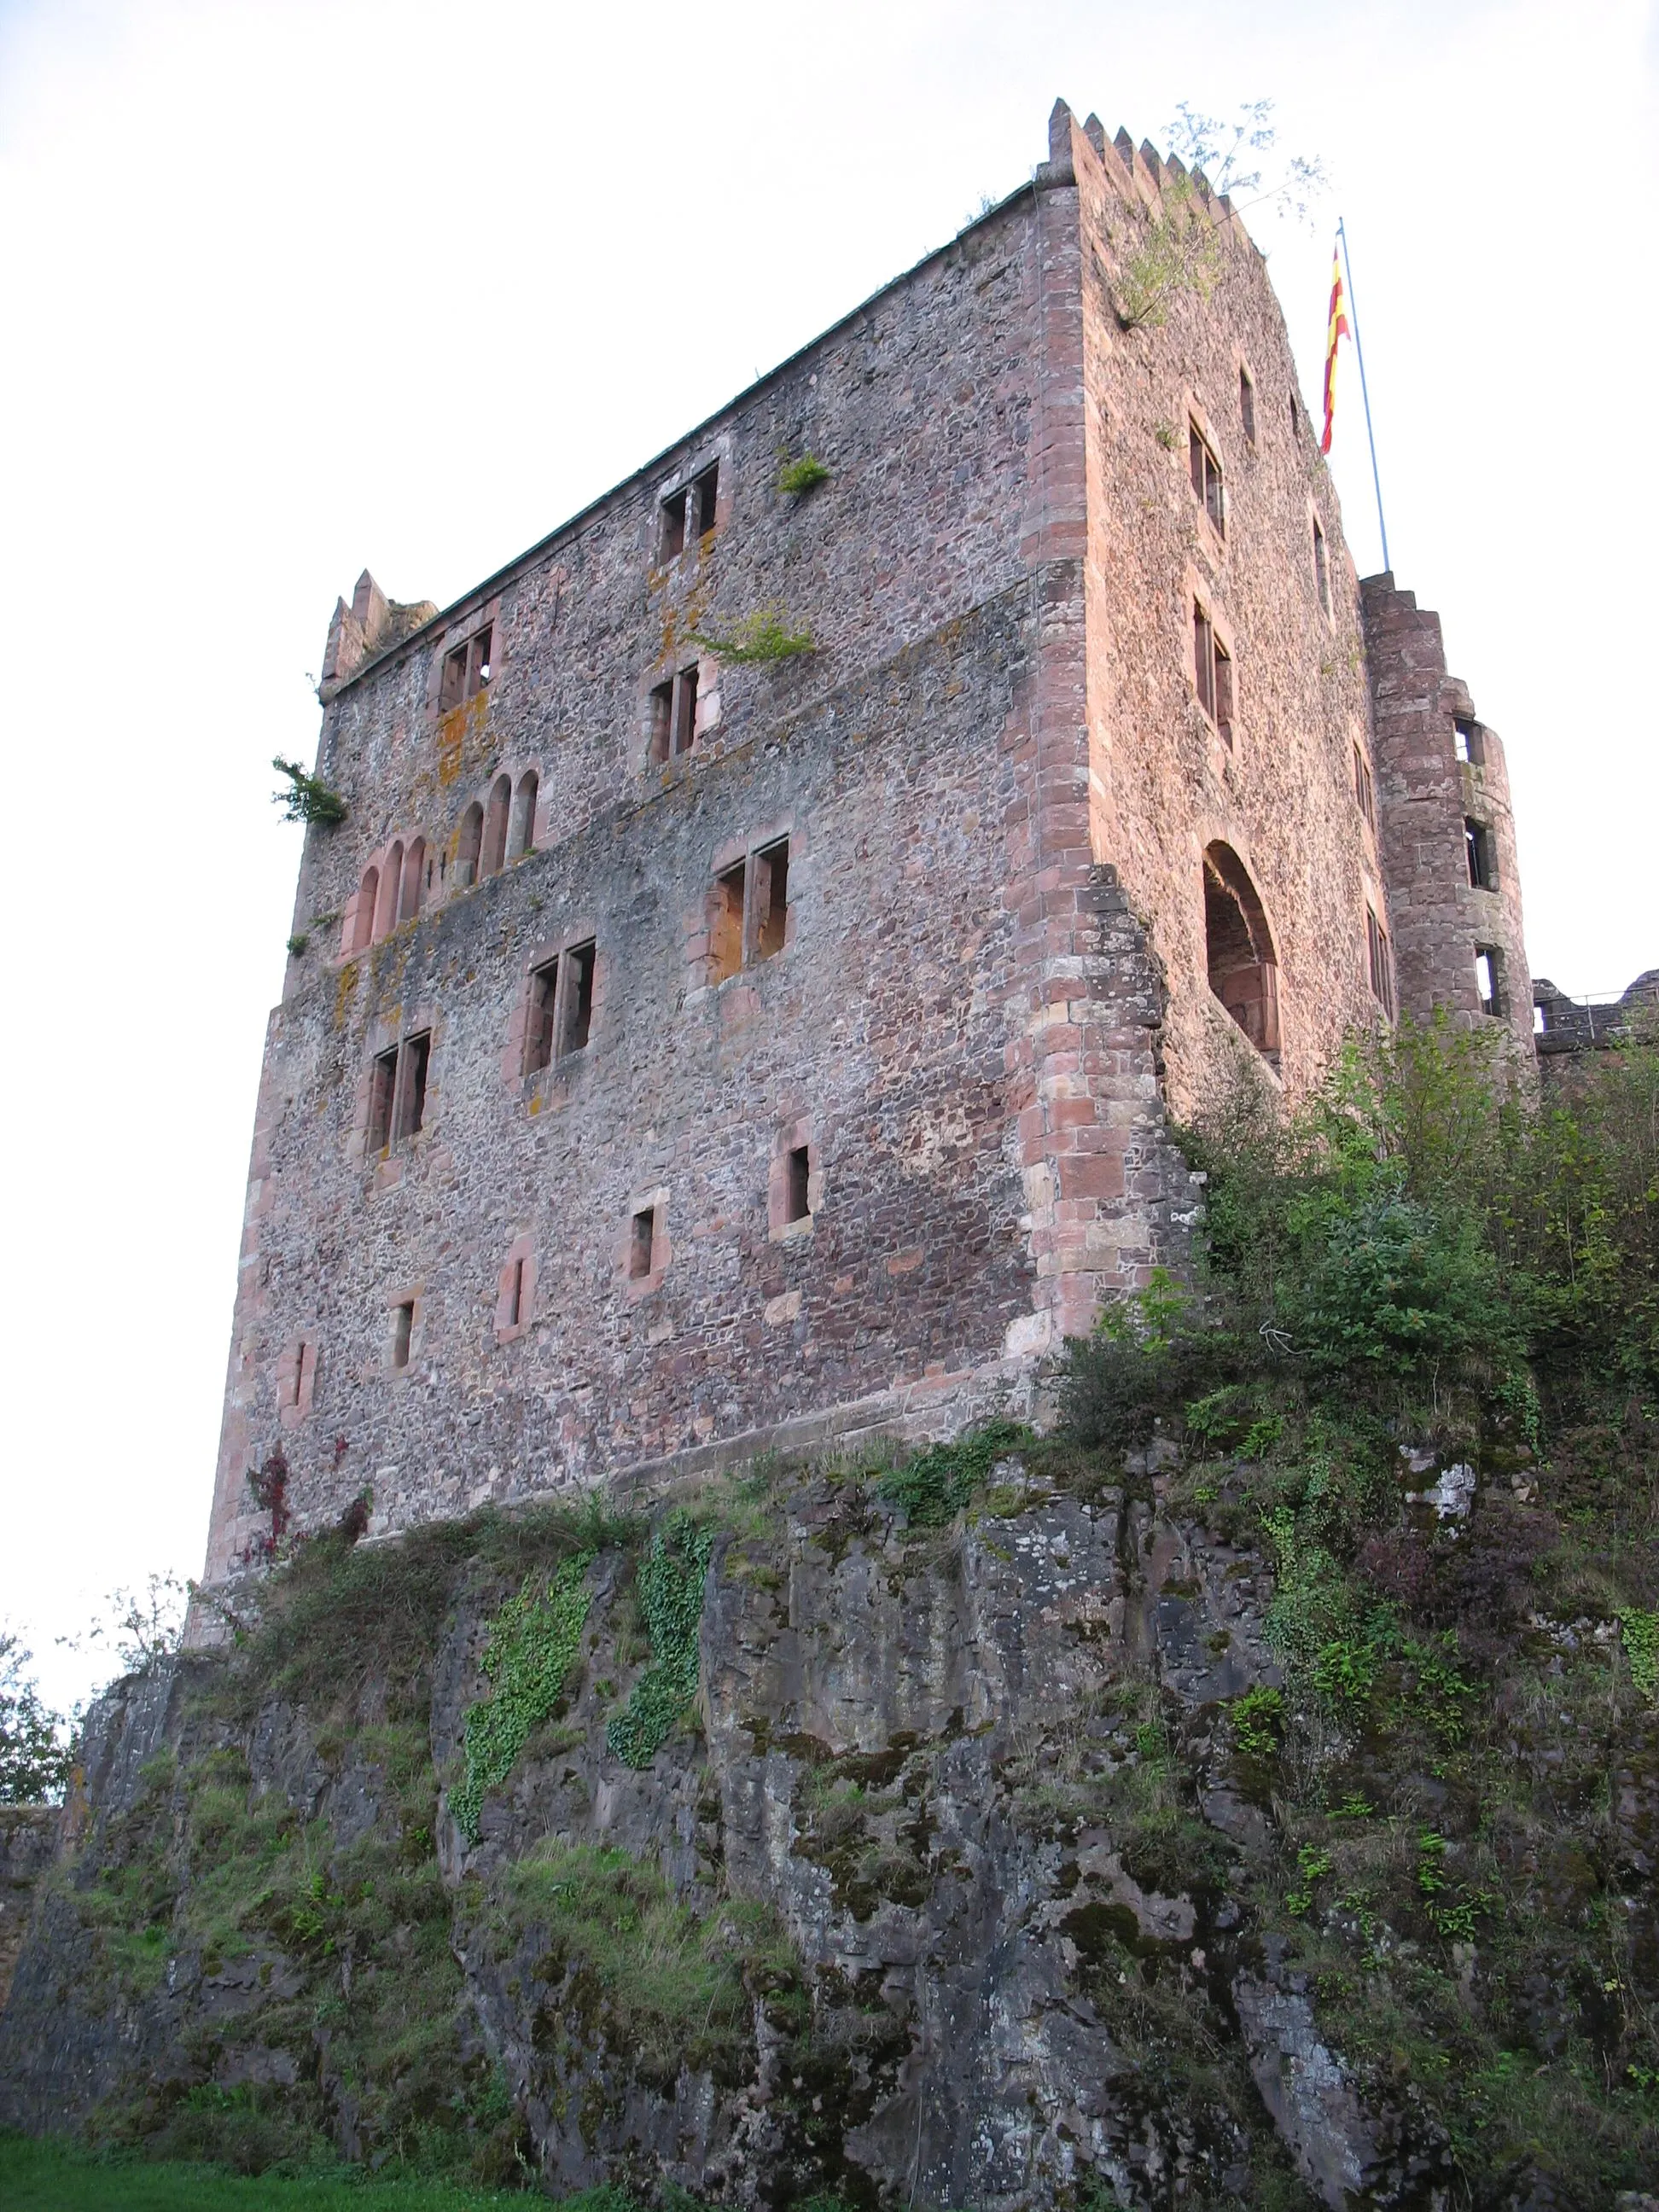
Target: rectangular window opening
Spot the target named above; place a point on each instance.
(1377, 947)
(799, 1166)
(452, 689)
(1477, 845)
(1364, 791)
(725, 924)
(640, 1242)
(1246, 404)
(299, 1372)
(515, 1293)
(382, 1081)
(538, 1017)
(1321, 568)
(466, 671)
(1206, 478)
(1224, 692)
(1466, 741)
(403, 1327)
(707, 488)
(1204, 660)
(772, 898)
(662, 719)
(673, 524)
(686, 709)
(417, 1053)
(1489, 978)
(478, 662)
(578, 999)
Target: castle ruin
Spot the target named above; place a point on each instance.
(775, 918)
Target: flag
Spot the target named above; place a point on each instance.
(1339, 329)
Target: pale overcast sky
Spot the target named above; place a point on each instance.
(296, 288)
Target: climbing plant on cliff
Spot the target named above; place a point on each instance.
(533, 1642)
(670, 1582)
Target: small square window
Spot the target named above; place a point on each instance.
(1466, 741)
(1206, 478)
(1246, 404)
(466, 671)
(641, 1243)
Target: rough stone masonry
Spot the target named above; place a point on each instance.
(773, 917)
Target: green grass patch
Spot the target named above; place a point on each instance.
(50, 2175)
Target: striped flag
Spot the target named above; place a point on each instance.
(1339, 329)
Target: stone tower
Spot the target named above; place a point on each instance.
(774, 915)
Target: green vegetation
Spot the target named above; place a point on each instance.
(763, 637)
(35, 1754)
(670, 1588)
(932, 1486)
(1181, 253)
(532, 1647)
(308, 799)
(54, 2176)
(796, 478)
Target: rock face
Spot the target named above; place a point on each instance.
(29, 1842)
(972, 1779)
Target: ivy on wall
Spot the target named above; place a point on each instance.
(670, 1582)
(532, 1644)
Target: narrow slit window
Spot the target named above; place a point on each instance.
(416, 1057)
(382, 1083)
(1365, 791)
(1246, 404)
(1376, 951)
(403, 1327)
(1476, 846)
(299, 1372)
(538, 1017)
(798, 1184)
(771, 898)
(1204, 660)
(673, 523)
(578, 999)
(686, 709)
(641, 1239)
(514, 1293)
(725, 924)
(1206, 478)
(707, 488)
(1321, 567)
(1223, 691)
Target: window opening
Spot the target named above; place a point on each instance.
(368, 892)
(1376, 954)
(1243, 970)
(686, 709)
(662, 719)
(514, 1293)
(403, 1327)
(707, 488)
(1296, 418)
(640, 1242)
(539, 1024)
(771, 898)
(523, 839)
(386, 907)
(469, 846)
(408, 903)
(382, 1082)
(496, 820)
(799, 1178)
(466, 671)
(1206, 478)
(1466, 741)
(1489, 978)
(1215, 669)
(579, 997)
(725, 924)
(1321, 568)
(1477, 845)
(1364, 792)
(299, 1372)
(414, 1058)
(673, 523)
(1246, 404)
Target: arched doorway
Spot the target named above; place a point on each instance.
(1239, 949)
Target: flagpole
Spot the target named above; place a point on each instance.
(1371, 436)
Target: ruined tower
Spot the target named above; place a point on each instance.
(774, 915)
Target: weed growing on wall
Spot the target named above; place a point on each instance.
(533, 1644)
(669, 1589)
(1639, 1630)
(1181, 253)
(763, 637)
(935, 1485)
(796, 478)
(307, 798)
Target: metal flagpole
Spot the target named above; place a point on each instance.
(1371, 435)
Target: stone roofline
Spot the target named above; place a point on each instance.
(1142, 178)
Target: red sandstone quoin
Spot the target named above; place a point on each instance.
(699, 1044)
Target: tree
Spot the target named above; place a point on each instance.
(35, 1755)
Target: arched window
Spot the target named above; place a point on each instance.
(362, 918)
(1239, 947)
(409, 905)
(386, 907)
(523, 815)
(471, 844)
(494, 837)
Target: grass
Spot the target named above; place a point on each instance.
(54, 2176)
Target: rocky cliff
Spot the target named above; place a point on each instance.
(965, 1850)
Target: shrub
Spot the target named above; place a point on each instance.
(933, 1485)
(308, 799)
(796, 478)
(763, 637)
